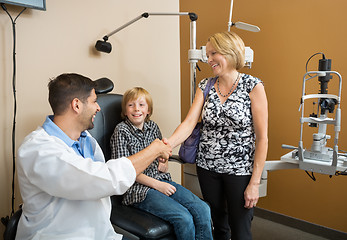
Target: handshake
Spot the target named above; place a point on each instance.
(158, 149)
(162, 148)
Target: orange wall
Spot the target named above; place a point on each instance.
(291, 31)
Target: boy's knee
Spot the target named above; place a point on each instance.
(187, 217)
(205, 208)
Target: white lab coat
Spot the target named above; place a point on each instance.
(65, 195)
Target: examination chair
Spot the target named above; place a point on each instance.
(127, 220)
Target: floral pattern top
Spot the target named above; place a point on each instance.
(227, 142)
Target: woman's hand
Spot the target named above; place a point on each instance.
(251, 195)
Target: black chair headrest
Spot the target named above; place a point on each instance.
(103, 85)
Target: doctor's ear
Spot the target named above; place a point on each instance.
(76, 105)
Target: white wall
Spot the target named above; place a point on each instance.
(62, 39)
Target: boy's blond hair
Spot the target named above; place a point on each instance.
(135, 93)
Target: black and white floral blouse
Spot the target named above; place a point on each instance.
(227, 141)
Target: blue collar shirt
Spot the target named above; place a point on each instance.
(82, 147)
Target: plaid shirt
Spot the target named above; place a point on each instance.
(128, 140)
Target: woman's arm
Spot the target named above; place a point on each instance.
(183, 131)
(259, 108)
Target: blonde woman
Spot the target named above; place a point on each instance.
(234, 142)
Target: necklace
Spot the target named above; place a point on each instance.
(238, 75)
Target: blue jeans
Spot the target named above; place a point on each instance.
(189, 215)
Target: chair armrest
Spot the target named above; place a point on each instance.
(176, 158)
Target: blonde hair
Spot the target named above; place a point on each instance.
(135, 93)
(230, 45)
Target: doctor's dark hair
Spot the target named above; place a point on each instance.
(133, 94)
(230, 45)
(66, 87)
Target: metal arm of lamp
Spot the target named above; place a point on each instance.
(194, 54)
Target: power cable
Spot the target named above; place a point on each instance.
(15, 102)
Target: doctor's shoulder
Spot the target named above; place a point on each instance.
(37, 140)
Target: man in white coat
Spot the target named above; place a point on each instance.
(64, 180)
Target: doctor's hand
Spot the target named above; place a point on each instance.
(251, 195)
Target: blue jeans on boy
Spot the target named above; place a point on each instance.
(188, 214)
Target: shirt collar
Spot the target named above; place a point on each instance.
(52, 129)
(136, 129)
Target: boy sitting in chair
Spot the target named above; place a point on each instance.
(154, 191)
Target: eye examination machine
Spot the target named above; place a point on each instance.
(320, 158)
(315, 156)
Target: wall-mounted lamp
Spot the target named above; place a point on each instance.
(104, 46)
(194, 54)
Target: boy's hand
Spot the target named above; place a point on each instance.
(163, 167)
(165, 188)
